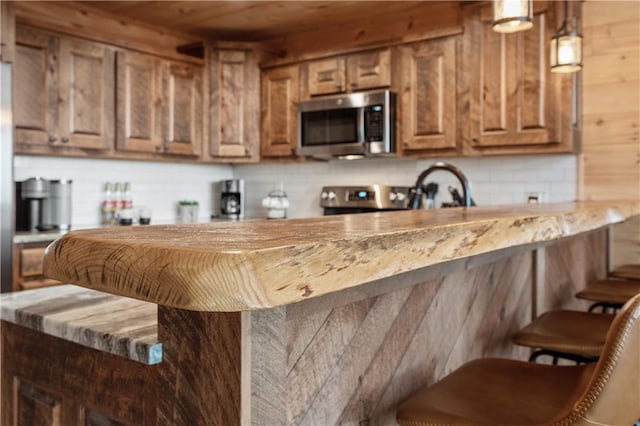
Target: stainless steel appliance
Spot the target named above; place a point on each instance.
(30, 196)
(57, 207)
(348, 126)
(43, 205)
(363, 199)
(232, 199)
(6, 178)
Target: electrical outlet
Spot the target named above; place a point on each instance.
(536, 197)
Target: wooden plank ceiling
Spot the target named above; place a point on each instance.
(250, 20)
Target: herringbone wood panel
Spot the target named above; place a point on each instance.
(354, 363)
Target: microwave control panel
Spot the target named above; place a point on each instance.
(374, 123)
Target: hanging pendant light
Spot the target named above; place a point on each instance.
(510, 16)
(566, 48)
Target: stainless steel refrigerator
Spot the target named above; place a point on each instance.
(6, 177)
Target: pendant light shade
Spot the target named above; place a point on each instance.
(566, 48)
(510, 16)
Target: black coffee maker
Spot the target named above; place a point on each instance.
(232, 199)
(43, 205)
(30, 196)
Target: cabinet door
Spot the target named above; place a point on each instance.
(35, 87)
(326, 76)
(138, 103)
(428, 97)
(235, 98)
(369, 70)
(280, 92)
(87, 94)
(515, 100)
(36, 406)
(28, 262)
(181, 108)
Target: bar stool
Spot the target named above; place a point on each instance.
(609, 294)
(507, 392)
(630, 271)
(573, 335)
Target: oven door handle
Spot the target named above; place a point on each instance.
(360, 123)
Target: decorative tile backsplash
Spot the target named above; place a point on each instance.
(159, 186)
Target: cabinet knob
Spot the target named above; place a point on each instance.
(159, 148)
(475, 139)
(52, 139)
(65, 140)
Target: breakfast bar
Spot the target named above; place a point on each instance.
(301, 321)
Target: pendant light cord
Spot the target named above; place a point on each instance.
(566, 14)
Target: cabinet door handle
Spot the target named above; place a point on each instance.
(65, 140)
(52, 139)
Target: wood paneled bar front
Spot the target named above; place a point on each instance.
(333, 320)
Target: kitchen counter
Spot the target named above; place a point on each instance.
(330, 320)
(36, 237)
(117, 325)
(262, 264)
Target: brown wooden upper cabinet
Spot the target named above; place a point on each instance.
(427, 96)
(327, 76)
(369, 70)
(363, 71)
(280, 92)
(515, 101)
(159, 105)
(182, 115)
(63, 92)
(235, 105)
(138, 103)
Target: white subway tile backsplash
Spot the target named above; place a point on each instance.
(494, 180)
(158, 186)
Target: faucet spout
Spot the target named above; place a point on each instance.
(416, 198)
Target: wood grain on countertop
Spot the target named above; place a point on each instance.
(114, 324)
(261, 264)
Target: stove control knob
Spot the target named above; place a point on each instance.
(331, 195)
(392, 196)
(324, 195)
(401, 196)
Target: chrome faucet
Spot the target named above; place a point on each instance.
(415, 202)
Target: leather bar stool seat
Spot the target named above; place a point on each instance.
(507, 392)
(609, 293)
(574, 335)
(629, 272)
(497, 392)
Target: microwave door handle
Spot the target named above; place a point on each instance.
(361, 132)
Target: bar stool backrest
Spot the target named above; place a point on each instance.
(613, 394)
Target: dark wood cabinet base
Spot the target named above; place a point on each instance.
(49, 381)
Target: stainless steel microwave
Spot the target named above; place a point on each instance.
(348, 126)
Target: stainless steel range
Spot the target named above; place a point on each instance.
(363, 199)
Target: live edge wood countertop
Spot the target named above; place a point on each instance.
(261, 264)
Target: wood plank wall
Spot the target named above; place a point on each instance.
(610, 162)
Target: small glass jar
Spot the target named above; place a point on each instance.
(187, 211)
(276, 203)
